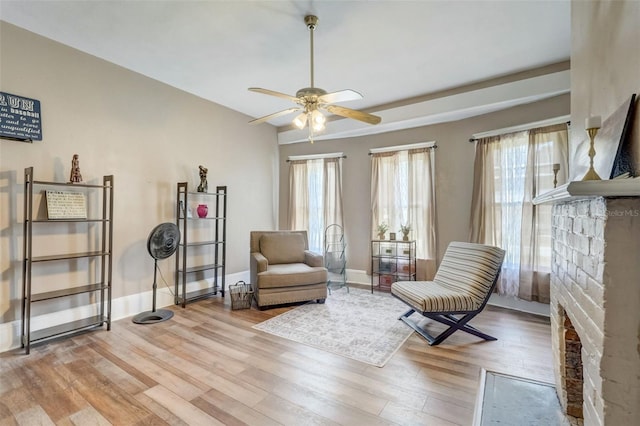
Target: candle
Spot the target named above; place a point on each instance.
(556, 167)
(593, 122)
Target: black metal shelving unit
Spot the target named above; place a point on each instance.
(99, 262)
(202, 249)
(391, 261)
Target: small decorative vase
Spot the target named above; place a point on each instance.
(381, 236)
(405, 237)
(202, 210)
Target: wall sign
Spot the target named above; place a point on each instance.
(66, 205)
(20, 118)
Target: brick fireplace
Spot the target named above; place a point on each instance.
(595, 305)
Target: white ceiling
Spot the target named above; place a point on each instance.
(389, 51)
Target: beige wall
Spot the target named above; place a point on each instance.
(148, 135)
(605, 71)
(605, 66)
(454, 171)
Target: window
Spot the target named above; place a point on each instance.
(402, 193)
(315, 196)
(510, 170)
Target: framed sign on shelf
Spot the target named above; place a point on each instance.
(66, 205)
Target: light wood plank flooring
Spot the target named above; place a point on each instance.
(207, 366)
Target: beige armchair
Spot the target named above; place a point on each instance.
(283, 270)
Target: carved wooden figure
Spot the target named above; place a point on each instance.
(75, 170)
(203, 179)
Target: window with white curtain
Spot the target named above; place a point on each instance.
(510, 170)
(315, 196)
(403, 193)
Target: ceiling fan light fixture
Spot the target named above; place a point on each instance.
(318, 120)
(300, 121)
(317, 127)
(312, 99)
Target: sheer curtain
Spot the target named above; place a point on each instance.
(298, 195)
(332, 194)
(509, 171)
(403, 192)
(386, 192)
(315, 197)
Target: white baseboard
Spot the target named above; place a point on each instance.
(122, 307)
(519, 305)
(356, 276)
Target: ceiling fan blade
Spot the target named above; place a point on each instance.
(274, 93)
(339, 96)
(274, 115)
(352, 113)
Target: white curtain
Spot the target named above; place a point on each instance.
(510, 170)
(422, 201)
(315, 197)
(298, 196)
(387, 192)
(332, 195)
(403, 193)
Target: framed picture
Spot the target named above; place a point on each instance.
(623, 161)
(392, 235)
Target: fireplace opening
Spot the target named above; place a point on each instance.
(573, 378)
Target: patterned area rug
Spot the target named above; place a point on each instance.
(357, 325)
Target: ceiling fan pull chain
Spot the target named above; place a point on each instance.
(310, 131)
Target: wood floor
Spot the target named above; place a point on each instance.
(207, 366)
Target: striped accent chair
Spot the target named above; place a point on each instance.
(463, 283)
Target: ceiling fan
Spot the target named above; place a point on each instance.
(311, 101)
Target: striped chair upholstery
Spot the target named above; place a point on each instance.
(465, 279)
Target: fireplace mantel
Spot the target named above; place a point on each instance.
(575, 190)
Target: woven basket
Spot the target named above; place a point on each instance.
(241, 295)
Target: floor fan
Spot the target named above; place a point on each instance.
(161, 244)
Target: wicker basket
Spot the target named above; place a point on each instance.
(241, 295)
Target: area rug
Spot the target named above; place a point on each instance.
(511, 400)
(355, 324)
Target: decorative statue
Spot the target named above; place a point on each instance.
(75, 170)
(203, 179)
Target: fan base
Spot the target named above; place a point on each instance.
(152, 317)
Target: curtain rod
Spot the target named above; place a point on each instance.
(522, 127)
(313, 157)
(427, 147)
(431, 144)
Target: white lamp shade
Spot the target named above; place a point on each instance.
(300, 121)
(317, 120)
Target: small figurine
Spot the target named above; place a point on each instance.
(203, 187)
(75, 170)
